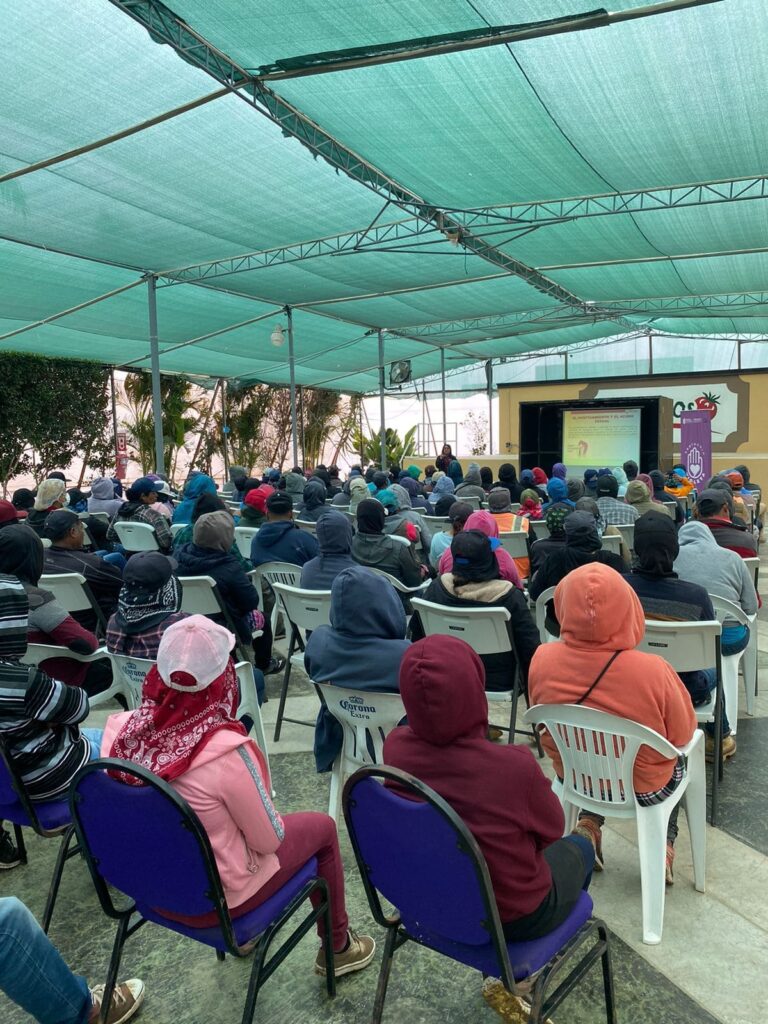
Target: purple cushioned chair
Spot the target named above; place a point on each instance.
(420, 856)
(50, 819)
(148, 843)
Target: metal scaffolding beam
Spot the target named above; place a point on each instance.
(165, 27)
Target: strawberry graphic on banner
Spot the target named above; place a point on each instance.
(696, 444)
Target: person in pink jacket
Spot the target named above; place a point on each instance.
(596, 664)
(487, 524)
(185, 731)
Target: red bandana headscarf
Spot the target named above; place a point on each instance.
(172, 726)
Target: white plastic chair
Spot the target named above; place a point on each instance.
(362, 715)
(540, 606)
(136, 536)
(95, 515)
(485, 630)
(177, 528)
(728, 611)
(303, 610)
(612, 542)
(515, 543)
(540, 529)
(627, 531)
(691, 647)
(598, 752)
(200, 596)
(753, 564)
(36, 653)
(244, 537)
(266, 574)
(71, 590)
(249, 706)
(309, 526)
(133, 671)
(471, 500)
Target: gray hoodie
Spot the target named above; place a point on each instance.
(294, 485)
(103, 498)
(720, 571)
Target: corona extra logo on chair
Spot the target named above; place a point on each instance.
(356, 707)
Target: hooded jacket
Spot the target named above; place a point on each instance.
(498, 791)
(720, 571)
(486, 523)
(361, 649)
(472, 485)
(600, 614)
(732, 536)
(313, 506)
(283, 541)
(334, 535)
(197, 485)
(103, 498)
(294, 485)
(404, 513)
(237, 592)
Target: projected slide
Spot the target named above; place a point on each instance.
(600, 437)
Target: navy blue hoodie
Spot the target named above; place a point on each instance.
(361, 649)
(283, 541)
(334, 534)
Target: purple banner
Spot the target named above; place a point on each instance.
(696, 445)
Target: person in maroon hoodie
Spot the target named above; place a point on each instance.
(500, 792)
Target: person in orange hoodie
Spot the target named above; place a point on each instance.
(601, 622)
(678, 484)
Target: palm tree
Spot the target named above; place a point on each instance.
(181, 410)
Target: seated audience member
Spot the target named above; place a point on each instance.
(555, 520)
(321, 473)
(557, 491)
(559, 471)
(10, 516)
(499, 792)
(313, 502)
(540, 481)
(361, 648)
(142, 495)
(415, 491)
(530, 505)
(441, 508)
(486, 478)
(51, 495)
(41, 983)
(295, 482)
(210, 554)
(103, 498)
(253, 508)
(403, 513)
(372, 547)
(186, 733)
(714, 508)
(621, 479)
(678, 484)
(500, 507)
(77, 500)
(358, 491)
(458, 513)
(639, 497)
(575, 489)
(196, 485)
(631, 470)
(582, 545)
(613, 511)
(472, 484)
(485, 522)
(596, 664)
(665, 596)
(207, 502)
(590, 505)
(103, 574)
(21, 555)
(476, 581)
(655, 503)
(280, 539)
(149, 602)
(443, 486)
(673, 506)
(455, 472)
(508, 479)
(23, 500)
(590, 482)
(335, 482)
(334, 535)
(39, 716)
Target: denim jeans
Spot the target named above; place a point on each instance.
(114, 558)
(734, 639)
(32, 972)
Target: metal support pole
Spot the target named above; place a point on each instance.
(224, 429)
(382, 428)
(565, 364)
(489, 377)
(442, 385)
(292, 368)
(301, 422)
(114, 411)
(650, 354)
(738, 354)
(157, 398)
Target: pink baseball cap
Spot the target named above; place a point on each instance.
(195, 648)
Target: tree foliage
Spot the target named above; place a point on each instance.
(397, 450)
(181, 411)
(51, 410)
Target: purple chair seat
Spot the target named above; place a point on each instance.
(525, 957)
(250, 925)
(52, 815)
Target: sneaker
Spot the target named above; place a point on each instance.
(514, 1009)
(494, 733)
(357, 955)
(669, 875)
(275, 665)
(589, 828)
(9, 855)
(126, 1000)
(728, 748)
